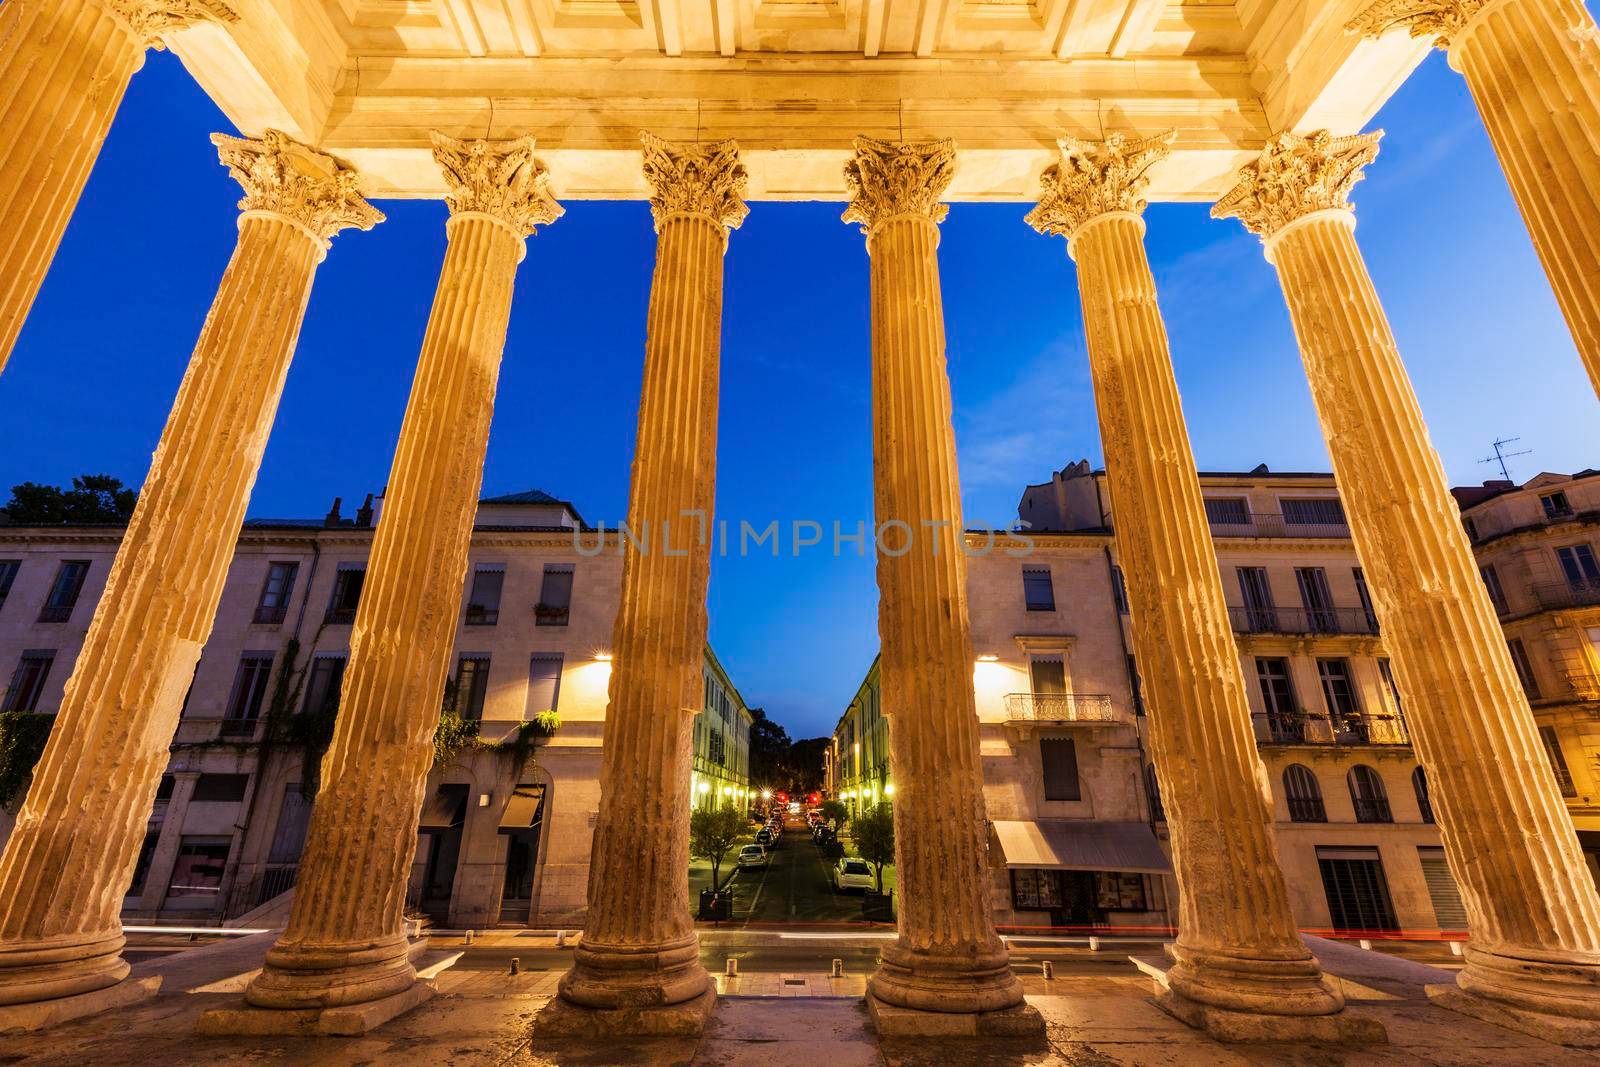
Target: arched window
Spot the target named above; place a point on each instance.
(1153, 787)
(1300, 788)
(1367, 793)
(1419, 782)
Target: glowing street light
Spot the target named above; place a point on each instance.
(888, 789)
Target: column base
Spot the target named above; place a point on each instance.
(969, 983)
(1238, 1023)
(58, 968)
(626, 978)
(42, 1014)
(563, 1019)
(1561, 1029)
(307, 977)
(347, 1020)
(892, 1021)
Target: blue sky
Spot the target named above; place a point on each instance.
(99, 361)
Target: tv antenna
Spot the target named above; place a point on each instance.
(1500, 455)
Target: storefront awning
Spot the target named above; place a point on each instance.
(445, 807)
(1081, 845)
(522, 810)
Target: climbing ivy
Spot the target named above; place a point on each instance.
(22, 738)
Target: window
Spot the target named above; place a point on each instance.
(64, 591)
(1471, 528)
(1312, 511)
(347, 584)
(555, 596)
(1119, 590)
(1524, 666)
(1491, 582)
(249, 688)
(1338, 689)
(1227, 511)
(1555, 505)
(1419, 785)
(1037, 590)
(472, 685)
(1277, 691)
(1137, 685)
(8, 575)
(219, 789)
(1303, 794)
(1317, 600)
(718, 748)
(27, 682)
(483, 604)
(1153, 788)
(1035, 890)
(198, 872)
(1558, 761)
(1060, 759)
(294, 821)
(1578, 565)
(1358, 895)
(1259, 616)
(1368, 795)
(544, 683)
(322, 685)
(274, 603)
(1365, 596)
(1048, 676)
(1386, 673)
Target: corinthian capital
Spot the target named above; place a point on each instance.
(1439, 19)
(1295, 176)
(890, 178)
(283, 177)
(695, 179)
(501, 179)
(1095, 178)
(149, 19)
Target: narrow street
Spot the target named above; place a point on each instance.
(794, 887)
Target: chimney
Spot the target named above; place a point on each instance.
(364, 513)
(332, 518)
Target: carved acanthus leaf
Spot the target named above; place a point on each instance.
(284, 177)
(1439, 19)
(501, 179)
(1095, 178)
(1295, 176)
(695, 179)
(149, 19)
(889, 178)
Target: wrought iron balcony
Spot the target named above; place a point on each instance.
(1273, 525)
(1583, 592)
(1377, 728)
(1060, 707)
(1300, 621)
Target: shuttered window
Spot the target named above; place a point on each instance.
(1060, 759)
(1448, 910)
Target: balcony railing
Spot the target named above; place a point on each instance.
(1570, 594)
(270, 614)
(1301, 621)
(1273, 525)
(1060, 707)
(270, 882)
(1375, 728)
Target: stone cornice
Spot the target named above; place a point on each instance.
(1094, 178)
(1295, 176)
(500, 179)
(695, 179)
(280, 176)
(147, 20)
(1439, 19)
(887, 179)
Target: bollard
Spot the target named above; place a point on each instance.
(1455, 948)
(561, 939)
(516, 965)
(732, 970)
(838, 969)
(469, 937)
(1094, 944)
(1048, 969)
(1365, 944)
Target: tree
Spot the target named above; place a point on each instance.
(93, 498)
(834, 811)
(769, 749)
(873, 835)
(712, 834)
(804, 764)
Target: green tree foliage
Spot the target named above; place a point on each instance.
(769, 750)
(805, 764)
(834, 811)
(873, 835)
(22, 738)
(712, 834)
(93, 498)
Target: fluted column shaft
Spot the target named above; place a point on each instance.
(71, 856)
(345, 942)
(1532, 908)
(1236, 933)
(64, 67)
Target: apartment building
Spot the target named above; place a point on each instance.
(1536, 546)
(721, 763)
(507, 820)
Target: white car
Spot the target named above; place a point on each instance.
(853, 873)
(752, 856)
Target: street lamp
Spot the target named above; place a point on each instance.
(888, 789)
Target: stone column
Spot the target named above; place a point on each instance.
(1534, 958)
(1533, 67)
(346, 941)
(72, 854)
(946, 956)
(64, 66)
(1240, 966)
(638, 966)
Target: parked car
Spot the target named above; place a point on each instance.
(766, 837)
(752, 856)
(853, 873)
